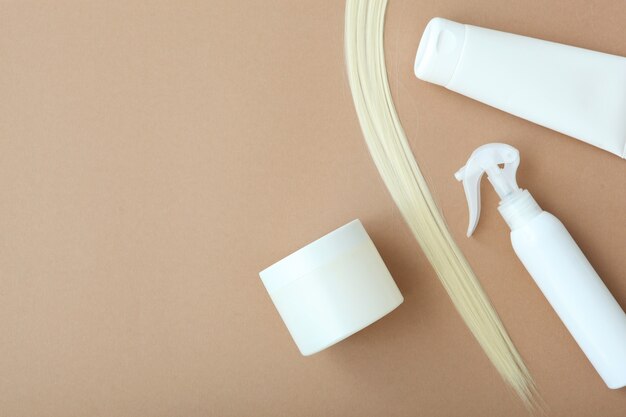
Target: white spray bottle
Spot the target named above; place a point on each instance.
(554, 260)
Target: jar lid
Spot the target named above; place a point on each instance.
(313, 255)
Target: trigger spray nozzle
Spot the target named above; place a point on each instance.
(500, 162)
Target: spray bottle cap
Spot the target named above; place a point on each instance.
(516, 205)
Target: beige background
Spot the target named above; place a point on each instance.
(154, 156)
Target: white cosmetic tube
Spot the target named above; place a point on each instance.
(575, 91)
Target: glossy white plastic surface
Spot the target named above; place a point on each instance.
(576, 292)
(331, 288)
(575, 91)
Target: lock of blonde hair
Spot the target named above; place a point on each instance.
(389, 148)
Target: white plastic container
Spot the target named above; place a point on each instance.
(331, 288)
(575, 91)
(554, 260)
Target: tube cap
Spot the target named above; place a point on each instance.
(331, 288)
(439, 51)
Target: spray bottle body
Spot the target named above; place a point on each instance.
(553, 259)
(576, 293)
